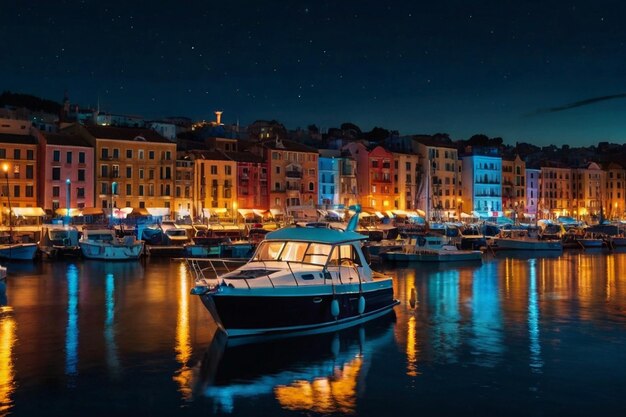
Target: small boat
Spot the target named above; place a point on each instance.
(299, 281)
(18, 251)
(525, 243)
(105, 245)
(590, 241)
(59, 241)
(431, 248)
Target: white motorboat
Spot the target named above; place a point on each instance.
(431, 248)
(105, 245)
(299, 280)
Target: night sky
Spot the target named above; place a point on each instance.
(521, 70)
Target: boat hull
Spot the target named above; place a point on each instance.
(527, 245)
(450, 256)
(239, 314)
(591, 243)
(19, 251)
(111, 252)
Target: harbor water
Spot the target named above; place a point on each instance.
(515, 335)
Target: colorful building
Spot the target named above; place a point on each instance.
(18, 161)
(67, 169)
(133, 167)
(482, 181)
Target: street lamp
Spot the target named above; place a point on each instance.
(68, 185)
(459, 206)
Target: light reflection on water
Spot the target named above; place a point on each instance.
(541, 330)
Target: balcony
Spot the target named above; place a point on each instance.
(293, 174)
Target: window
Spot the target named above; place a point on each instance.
(16, 191)
(30, 154)
(56, 173)
(81, 157)
(141, 190)
(55, 191)
(29, 191)
(213, 169)
(150, 154)
(104, 171)
(80, 192)
(17, 153)
(56, 156)
(30, 172)
(140, 153)
(104, 153)
(140, 173)
(150, 174)
(129, 189)
(81, 175)
(68, 158)
(311, 186)
(116, 153)
(129, 172)
(104, 188)
(129, 154)
(227, 170)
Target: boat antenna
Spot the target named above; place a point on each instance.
(354, 221)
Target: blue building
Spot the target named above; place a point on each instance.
(328, 181)
(482, 181)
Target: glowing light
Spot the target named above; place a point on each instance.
(7, 374)
(71, 330)
(183, 340)
(109, 326)
(533, 318)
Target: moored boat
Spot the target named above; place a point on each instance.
(105, 245)
(431, 248)
(523, 243)
(299, 280)
(18, 251)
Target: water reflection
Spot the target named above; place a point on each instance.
(318, 373)
(71, 329)
(7, 373)
(486, 316)
(443, 292)
(533, 318)
(183, 340)
(113, 363)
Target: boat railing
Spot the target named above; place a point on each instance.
(210, 268)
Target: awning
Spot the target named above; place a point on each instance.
(465, 215)
(91, 211)
(276, 212)
(140, 211)
(379, 214)
(28, 211)
(182, 212)
(158, 211)
(259, 212)
(246, 212)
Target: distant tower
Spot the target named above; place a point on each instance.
(218, 117)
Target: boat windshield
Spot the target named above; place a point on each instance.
(304, 252)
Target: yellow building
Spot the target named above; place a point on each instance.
(215, 186)
(134, 167)
(555, 190)
(18, 161)
(589, 191)
(615, 185)
(406, 177)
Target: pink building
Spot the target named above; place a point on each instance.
(65, 157)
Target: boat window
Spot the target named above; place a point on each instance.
(345, 255)
(269, 251)
(293, 251)
(317, 253)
